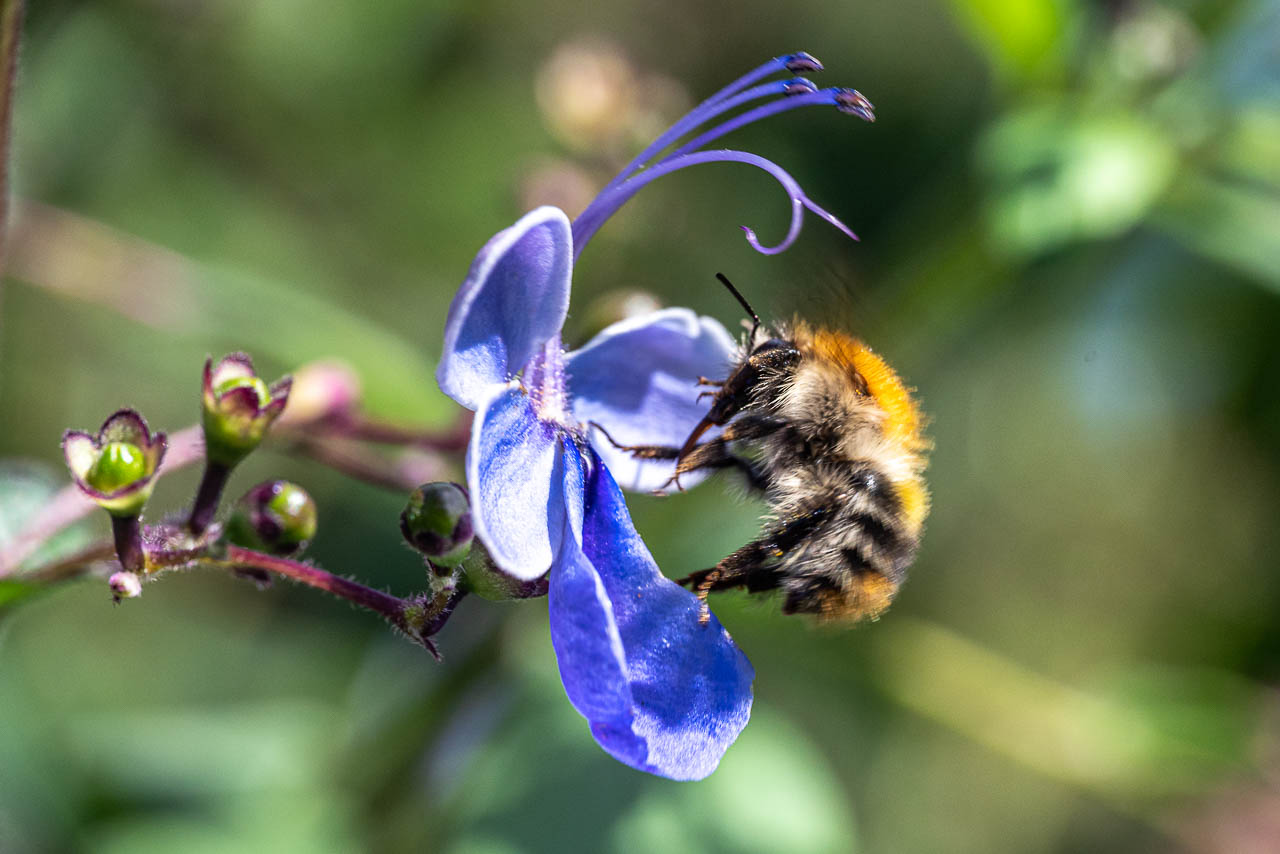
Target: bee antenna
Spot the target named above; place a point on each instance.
(742, 301)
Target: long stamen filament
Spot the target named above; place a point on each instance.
(607, 203)
(825, 97)
(695, 118)
(796, 63)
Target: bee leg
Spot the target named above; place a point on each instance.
(730, 572)
(752, 566)
(701, 583)
(703, 381)
(715, 452)
(735, 392)
(640, 452)
(715, 455)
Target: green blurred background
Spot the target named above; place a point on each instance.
(1070, 221)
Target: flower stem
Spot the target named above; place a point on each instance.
(390, 607)
(10, 32)
(208, 496)
(349, 458)
(127, 533)
(186, 447)
(71, 567)
(359, 426)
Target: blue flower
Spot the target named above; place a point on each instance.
(662, 692)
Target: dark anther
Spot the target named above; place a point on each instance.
(853, 102)
(799, 86)
(802, 63)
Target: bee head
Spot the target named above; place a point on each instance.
(770, 344)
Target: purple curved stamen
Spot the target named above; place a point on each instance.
(608, 202)
(796, 63)
(825, 97)
(699, 116)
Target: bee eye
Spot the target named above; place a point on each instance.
(859, 382)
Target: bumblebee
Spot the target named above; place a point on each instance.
(829, 434)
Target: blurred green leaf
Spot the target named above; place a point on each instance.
(1057, 176)
(1021, 40)
(309, 821)
(1232, 222)
(186, 752)
(774, 791)
(12, 591)
(25, 488)
(1106, 742)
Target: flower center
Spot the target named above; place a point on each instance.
(544, 381)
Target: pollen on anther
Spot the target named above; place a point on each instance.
(802, 63)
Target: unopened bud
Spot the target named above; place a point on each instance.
(238, 407)
(276, 516)
(437, 522)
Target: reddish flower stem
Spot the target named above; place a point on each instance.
(205, 507)
(10, 34)
(127, 533)
(391, 607)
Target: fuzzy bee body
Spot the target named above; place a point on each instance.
(840, 460)
(830, 435)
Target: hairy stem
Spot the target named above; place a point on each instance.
(10, 34)
(205, 507)
(127, 533)
(390, 607)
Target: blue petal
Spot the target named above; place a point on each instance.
(662, 693)
(514, 298)
(638, 379)
(515, 475)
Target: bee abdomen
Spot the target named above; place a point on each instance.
(852, 567)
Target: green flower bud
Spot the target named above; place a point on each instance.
(437, 522)
(276, 516)
(116, 468)
(238, 408)
(119, 464)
